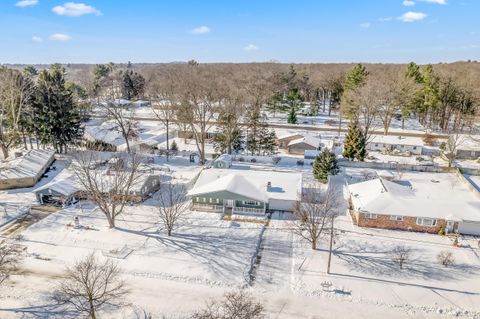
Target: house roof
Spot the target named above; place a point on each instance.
(289, 136)
(29, 165)
(307, 139)
(249, 183)
(107, 132)
(379, 196)
(397, 140)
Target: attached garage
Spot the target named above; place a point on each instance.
(469, 228)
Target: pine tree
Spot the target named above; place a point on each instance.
(133, 85)
(55, 114)
(255, 127)
(174, 147)
(354, 146)
(325, 164)
(292, 116)
(268, 142)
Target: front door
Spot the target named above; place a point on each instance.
(230, 202)
(449, 227)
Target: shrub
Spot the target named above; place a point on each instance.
(445, 258)
(441, 231)
(429, 139)
(253, 160)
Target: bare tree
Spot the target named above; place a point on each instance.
(10, 258)
(91, 284)
(200, 99)
(162, 93)
(445, 258)
(450, 148)
(108, 184)
(400, 255)
(172, 205)
(16, 94)
(314, 214)
(234, 305)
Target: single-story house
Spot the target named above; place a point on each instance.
(25, 171)
(108, 133)
(300, 145)
(66, 189)
(467, 148)
(380, 203)
(396, 144)
(283, 140)
(245, 191)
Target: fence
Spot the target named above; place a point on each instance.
(396, 166)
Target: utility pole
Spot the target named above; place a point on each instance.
(330, 247)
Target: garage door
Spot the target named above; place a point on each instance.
(469, 228)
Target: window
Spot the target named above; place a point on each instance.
(376, 145)
(371, 216)
(429, 222)
(214, 201)
(396, 218)
(251, 203)
(204, 200)
(414, 147)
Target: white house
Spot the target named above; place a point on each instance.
(399, 144)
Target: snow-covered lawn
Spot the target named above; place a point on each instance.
(205, 251)
(363, 272)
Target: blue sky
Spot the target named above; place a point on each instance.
(97, 31)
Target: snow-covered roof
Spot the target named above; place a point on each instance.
(307, 139)
(250, 183)
(289, 135)
(379, 196)
(64, 183)
(224, 157)
(396, 140)
(67, 183)
(29, 165)
(466, 142)
(107, 132)
(311, 153)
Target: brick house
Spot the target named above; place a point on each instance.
(379, 203)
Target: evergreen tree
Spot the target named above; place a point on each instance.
(292, 116)
(355, 142)
(254, 130)
(268, 142)
(354, 80)
(174, 147)
(133, 85)
(229, 136)
(325, 164)
(55, 114)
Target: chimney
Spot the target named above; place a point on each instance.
(269, 186)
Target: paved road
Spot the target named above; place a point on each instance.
(305, 127)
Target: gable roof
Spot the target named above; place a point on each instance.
(29, 165)
(308, 139)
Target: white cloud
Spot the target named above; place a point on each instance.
(201, 30)
(26, 3)
(365, 25)
(75, 9)
(412, 16)
(435, 1)
(408, 3)
(36, 39)
(250, 47)
(386, 19)
(59, 37)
